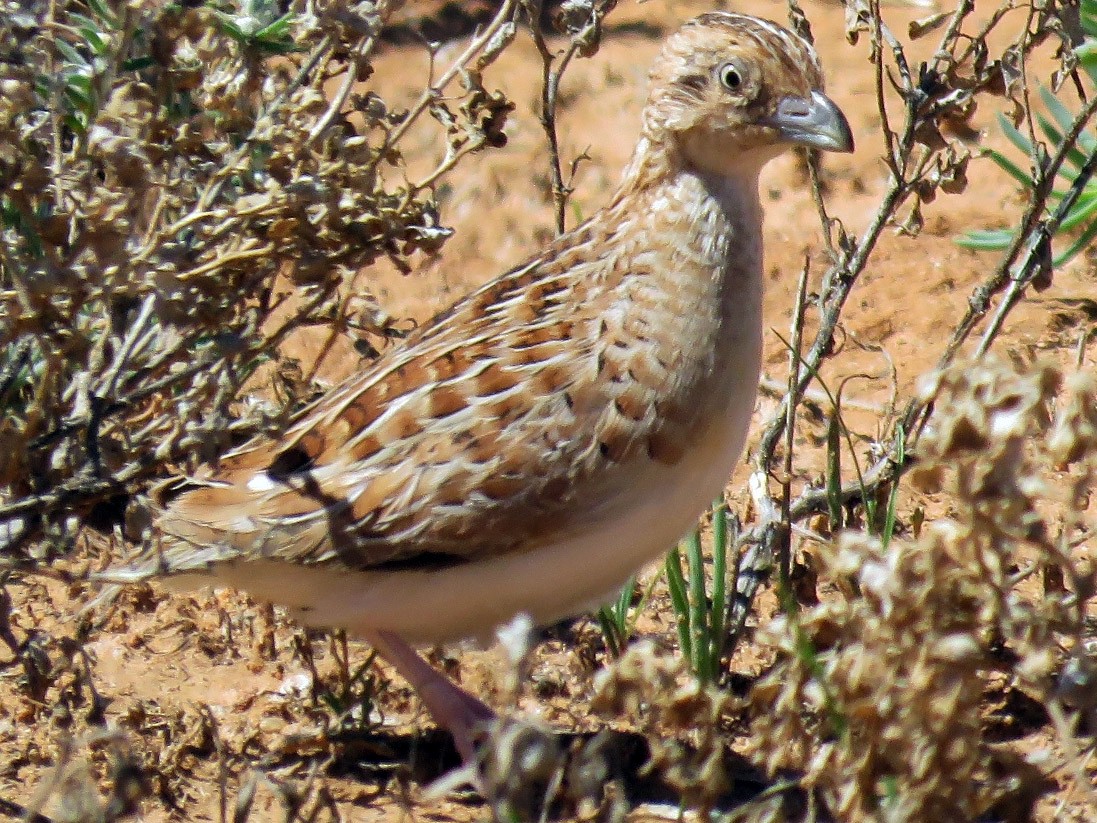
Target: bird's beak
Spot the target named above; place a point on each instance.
(814, 122)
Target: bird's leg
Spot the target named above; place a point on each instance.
(453, 709)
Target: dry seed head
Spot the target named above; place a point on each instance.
(1074, 435)
(903, 653)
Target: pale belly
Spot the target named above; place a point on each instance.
(553, 581)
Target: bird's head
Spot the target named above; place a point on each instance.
(732, 91)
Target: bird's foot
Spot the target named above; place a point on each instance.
(465, 717)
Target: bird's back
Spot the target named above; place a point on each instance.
(525, 410)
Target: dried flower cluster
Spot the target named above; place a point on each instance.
(681, 717)
(878, 691)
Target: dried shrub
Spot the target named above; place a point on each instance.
(681, 716)
(878, 692)
(181, 189)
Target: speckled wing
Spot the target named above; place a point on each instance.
(475, 436)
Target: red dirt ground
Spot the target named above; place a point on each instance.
(168, 656)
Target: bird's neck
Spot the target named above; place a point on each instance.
(717, 217)
(695, 241)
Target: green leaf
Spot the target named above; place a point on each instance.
(676, 582)
(1085, 208)
(719, 610)
(83, 21)
(834, 471)
(614, 619)
(1087, 52)
(1057, 109)
(79, 99)
(1014, 136)
(1087, 142)
(275, 47)
(1088, 15)
(893, 497)
(1081, 244)
(700, 638)
(103, 12)
(81, 82)
(985, 239)
(90, 30)
(70, 54)
(228, 26)
(1075, 156)
(98, 44)
(276, 29)
(137, 63)
(609, 631)
(1011, 168)
(76, 123)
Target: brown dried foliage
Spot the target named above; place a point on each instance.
(877, 693)
(172, 175)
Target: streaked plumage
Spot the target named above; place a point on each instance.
(531, 446)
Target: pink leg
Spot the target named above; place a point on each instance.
(452, 708)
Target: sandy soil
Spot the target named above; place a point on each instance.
(213, 667)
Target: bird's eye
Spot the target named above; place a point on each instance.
(731, 77)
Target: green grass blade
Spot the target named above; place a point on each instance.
(1087, 143)
(609, 631)
(613, 619)
(1014, 136)
(1088, 14)
(1074, 156)
(718, 613)
(834, 471)
(698, 608)
(1087, 56)
(229, 27)
(276, 29)
(624, 600)
(676, 582)
(1056, 108)
(893, 496)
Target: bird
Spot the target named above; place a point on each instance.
(544, 437)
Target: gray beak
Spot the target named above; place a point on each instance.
(814, 122)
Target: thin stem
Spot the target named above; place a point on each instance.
(784, 551)
(551, 74)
